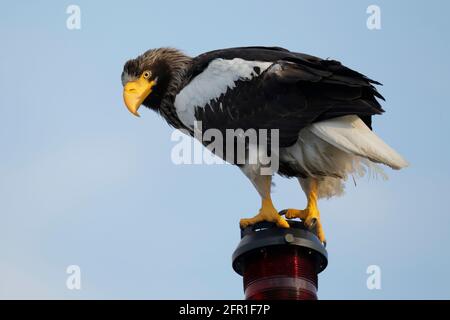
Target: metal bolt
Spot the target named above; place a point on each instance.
(289, 238)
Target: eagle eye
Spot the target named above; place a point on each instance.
(146, 74)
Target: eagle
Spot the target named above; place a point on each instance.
(320, 109)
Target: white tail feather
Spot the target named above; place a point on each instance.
(350, 134)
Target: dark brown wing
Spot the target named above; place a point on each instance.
(294, 92)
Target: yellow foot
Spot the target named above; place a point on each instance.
(310, 217)
(266, 213)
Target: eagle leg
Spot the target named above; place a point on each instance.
(311, 215)
(267, 211)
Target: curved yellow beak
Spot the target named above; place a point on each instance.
(135, 92)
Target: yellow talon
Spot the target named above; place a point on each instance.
(295, 213)
(266, 213)
(311, 215)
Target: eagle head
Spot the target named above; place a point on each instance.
(151, 77)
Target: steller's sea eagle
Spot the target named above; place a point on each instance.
(322, 111)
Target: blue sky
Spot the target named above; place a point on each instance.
(83, 182)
